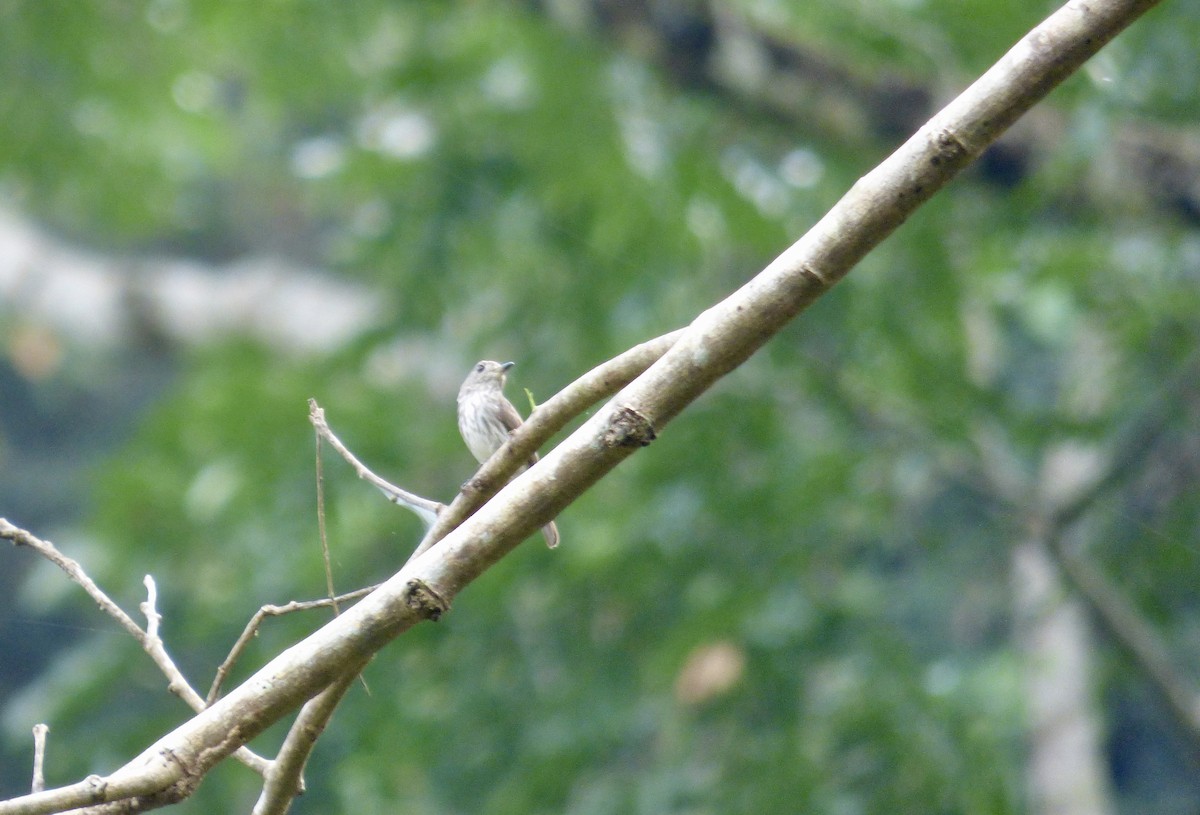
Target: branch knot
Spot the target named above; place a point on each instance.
(951, 148)
(424, 600)
(628, 428)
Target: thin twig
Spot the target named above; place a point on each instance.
(150, 610)
(48, 550)
(152, 645)
(39, 756)
(321, 530)
(424, 508)
(251, 630)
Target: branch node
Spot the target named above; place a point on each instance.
(97, 787)
(815, 276)
(628, 428)
(950, 148)
(473, 486)
(425, 601)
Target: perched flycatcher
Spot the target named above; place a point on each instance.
(486, 417)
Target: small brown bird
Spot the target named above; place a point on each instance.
(486, 417)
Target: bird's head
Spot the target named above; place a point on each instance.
(487, 374)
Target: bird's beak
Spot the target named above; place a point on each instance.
(504, 366)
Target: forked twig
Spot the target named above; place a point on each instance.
(149, 640)
(251, 630)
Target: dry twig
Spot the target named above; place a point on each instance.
(39, 756)
(424, 508)
(149, 640)
(252, 627)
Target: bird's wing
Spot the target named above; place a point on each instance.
(511, 421)
(509, 416)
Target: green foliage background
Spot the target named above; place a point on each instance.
(511, 186)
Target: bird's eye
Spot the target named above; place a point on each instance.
(479, 367)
